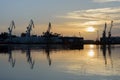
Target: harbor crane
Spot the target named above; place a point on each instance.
(104, 39)
(49, 27)
(109, 33)
(29, 28)
(47, 33)
(11, 27)
(104, 32)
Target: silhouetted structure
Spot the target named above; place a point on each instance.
(47, 37)
(104, 38)
(110, 39)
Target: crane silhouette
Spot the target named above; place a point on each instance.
(29, 28)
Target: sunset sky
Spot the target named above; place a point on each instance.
(68, 17)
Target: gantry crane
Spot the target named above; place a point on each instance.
(29, 28)
(10, 28)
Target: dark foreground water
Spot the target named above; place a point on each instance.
(34, 62)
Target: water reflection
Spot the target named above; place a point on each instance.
(104, 49)
(109, 51)
(58, 62)
(91, 53)
(7, 49)
(29, 58)
(11, 59)
(47, 51)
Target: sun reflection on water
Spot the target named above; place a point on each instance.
(91, 46)
(91, 53)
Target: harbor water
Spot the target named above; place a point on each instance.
(55, 62)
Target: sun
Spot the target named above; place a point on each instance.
(90, 29)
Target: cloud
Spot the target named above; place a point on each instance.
(94, 14)
(81, 19)
(104, 1)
